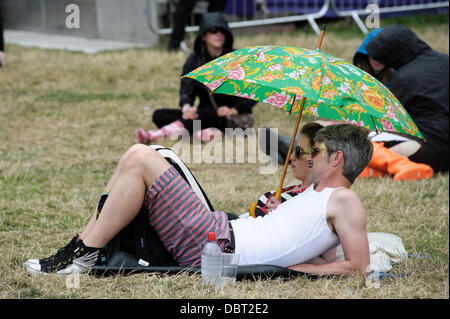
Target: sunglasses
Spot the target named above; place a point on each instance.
(299, 153)
(214, 30)
(317, 150)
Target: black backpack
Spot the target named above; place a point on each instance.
(138, 239)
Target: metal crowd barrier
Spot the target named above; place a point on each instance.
(249, 13)
(355, 9)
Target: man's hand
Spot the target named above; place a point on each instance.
(226, 111)
(190, 114)
(2, 57)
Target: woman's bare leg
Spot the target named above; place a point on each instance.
(137, 170)
(107, 189)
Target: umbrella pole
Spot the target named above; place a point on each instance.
(286, 163)
(322, 33)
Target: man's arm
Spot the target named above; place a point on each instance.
(327, 257)
(349, 222)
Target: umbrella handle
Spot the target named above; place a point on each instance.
(278, 193)
(252, 209)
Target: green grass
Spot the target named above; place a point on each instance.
(66, 120)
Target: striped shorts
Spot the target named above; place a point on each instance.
(181, 220)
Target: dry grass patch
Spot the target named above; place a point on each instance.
(65, 120)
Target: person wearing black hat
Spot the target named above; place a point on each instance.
(213, 40)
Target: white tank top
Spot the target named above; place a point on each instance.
(295, 232)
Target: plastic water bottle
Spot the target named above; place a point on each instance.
(211, 266)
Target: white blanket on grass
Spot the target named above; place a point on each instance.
(385, 250)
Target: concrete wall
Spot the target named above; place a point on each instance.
(124, 20)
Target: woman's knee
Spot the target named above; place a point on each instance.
(146, 162)
(136, 148)
(135, 155)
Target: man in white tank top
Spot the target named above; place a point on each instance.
(302, 233)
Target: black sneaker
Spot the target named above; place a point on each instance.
(56, 256)
(77, 259)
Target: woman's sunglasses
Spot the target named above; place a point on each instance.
(215, 30)
(299, 153)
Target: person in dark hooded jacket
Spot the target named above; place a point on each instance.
(214, 39)
(421, 84)
(361, 60)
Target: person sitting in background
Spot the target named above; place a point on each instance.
(384, 160)
(361, 60)
(299, 234)
(214, 39)
(421, 84)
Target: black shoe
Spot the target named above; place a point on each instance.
(77, 259)
(58, 254)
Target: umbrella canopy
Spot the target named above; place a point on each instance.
(282, 76)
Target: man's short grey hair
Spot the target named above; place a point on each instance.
(352, 141)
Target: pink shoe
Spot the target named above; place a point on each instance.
(208, 134)
(146, 137)
(142, 136)
(176, 128)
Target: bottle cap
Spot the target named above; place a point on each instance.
(211, 236)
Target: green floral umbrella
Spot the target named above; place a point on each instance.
(326, 86)
(333, 88)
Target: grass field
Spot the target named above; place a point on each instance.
(66, 118)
